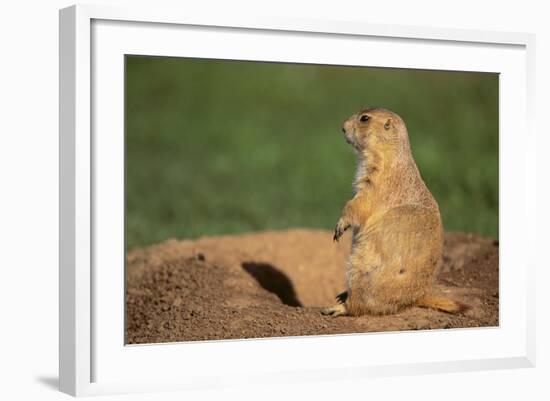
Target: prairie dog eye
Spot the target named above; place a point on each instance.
(364, 118)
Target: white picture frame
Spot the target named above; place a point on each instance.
(93, 357)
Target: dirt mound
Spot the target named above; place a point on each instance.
(274, 283)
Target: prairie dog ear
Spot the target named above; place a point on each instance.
(387, 125)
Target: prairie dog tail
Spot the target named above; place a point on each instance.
(441, 303)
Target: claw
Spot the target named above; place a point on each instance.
(342, 297)
(337, 234)
(339, 230)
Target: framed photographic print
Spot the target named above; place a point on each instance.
(265, 200)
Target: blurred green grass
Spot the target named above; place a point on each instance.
(216, 147)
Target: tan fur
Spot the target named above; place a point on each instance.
(397, 240)
(441, 303)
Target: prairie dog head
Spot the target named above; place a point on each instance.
(375, 129)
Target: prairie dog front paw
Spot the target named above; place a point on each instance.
(339, 230)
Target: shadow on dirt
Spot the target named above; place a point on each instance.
(274, 281)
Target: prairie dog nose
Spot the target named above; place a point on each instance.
(346, 126)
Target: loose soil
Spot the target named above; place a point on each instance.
(274, 284)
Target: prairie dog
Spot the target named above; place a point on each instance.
(397, 243)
